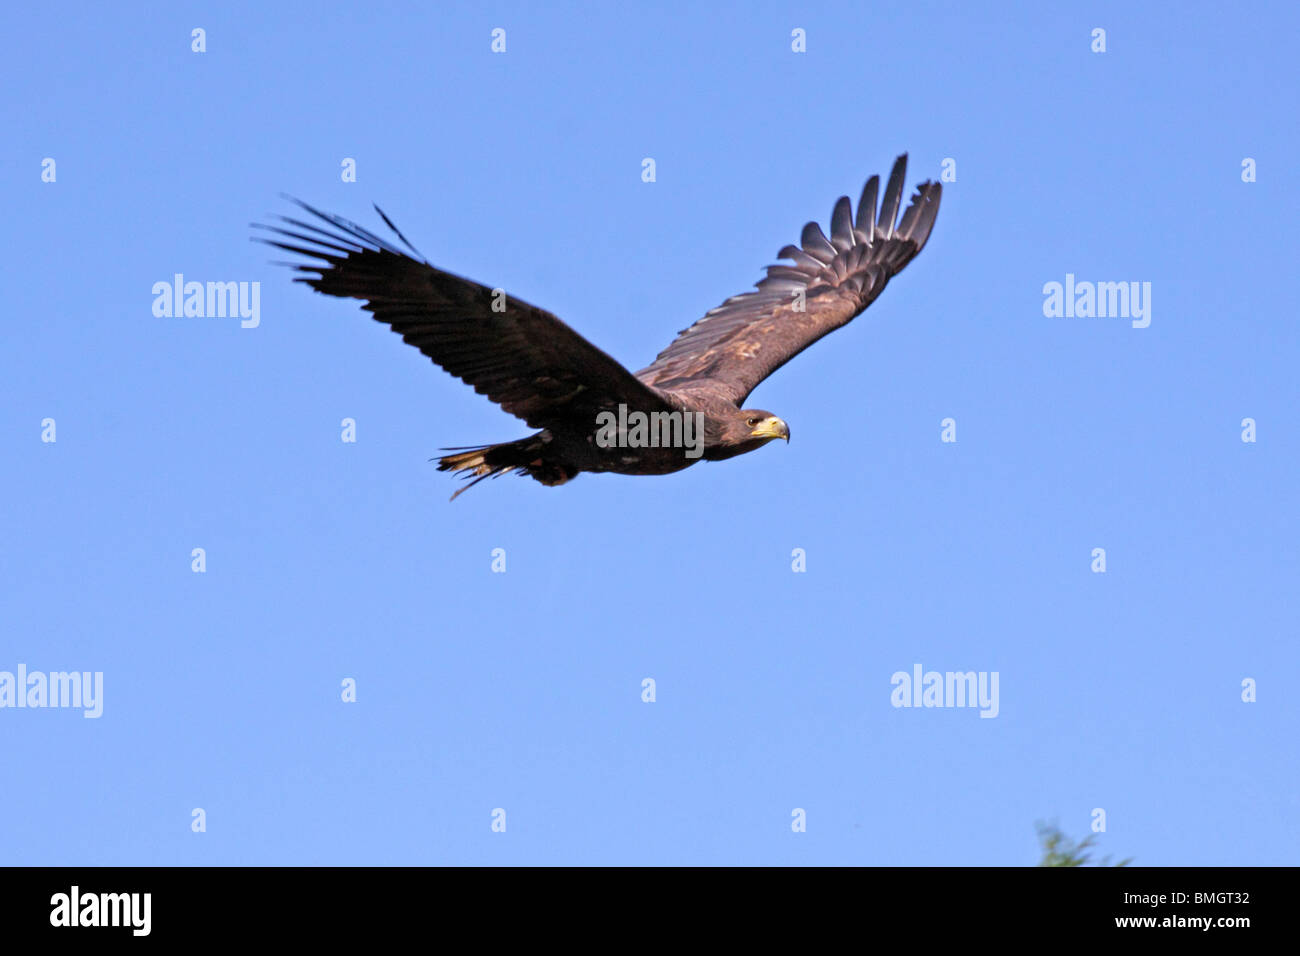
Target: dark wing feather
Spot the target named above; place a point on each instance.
(747, 338)
(524, 358)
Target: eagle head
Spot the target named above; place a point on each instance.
(756, 427)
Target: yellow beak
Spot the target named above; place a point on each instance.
(772, 428)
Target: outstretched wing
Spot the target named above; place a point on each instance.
(750, 336)
(523, 358)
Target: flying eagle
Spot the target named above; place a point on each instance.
(591, 412)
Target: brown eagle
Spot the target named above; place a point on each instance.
(593, 414)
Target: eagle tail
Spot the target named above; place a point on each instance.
(527, 456)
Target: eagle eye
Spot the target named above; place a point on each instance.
(752, 422)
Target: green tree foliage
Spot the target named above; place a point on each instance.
(1060, 850)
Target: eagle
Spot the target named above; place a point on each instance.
(590, 412)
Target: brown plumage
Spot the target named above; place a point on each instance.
(588, 407)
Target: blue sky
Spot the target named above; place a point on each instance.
(521, 690)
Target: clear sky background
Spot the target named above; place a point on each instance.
(480, 690)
